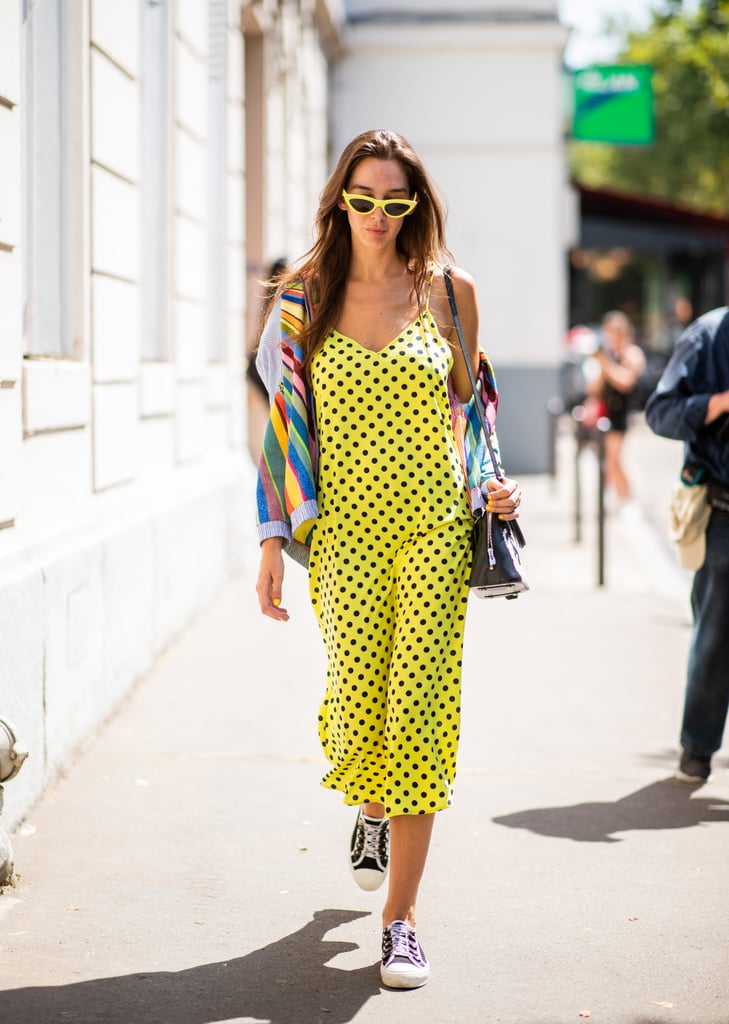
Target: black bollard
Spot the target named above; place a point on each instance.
(602, 427)
(578, 415)
(555, 408)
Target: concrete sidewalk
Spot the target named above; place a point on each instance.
(189, 869)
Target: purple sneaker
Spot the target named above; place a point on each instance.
(404, 964)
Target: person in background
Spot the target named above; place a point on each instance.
(691, 404)
(366, 469)
(620, 363)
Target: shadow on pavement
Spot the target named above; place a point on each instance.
(662, 805)
(661, 1018)
(287, 982)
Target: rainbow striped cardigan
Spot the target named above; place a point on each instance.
(287, 472)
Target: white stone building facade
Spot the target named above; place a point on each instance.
(155, 156)
(149, 151)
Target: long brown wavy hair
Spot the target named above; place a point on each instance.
(325, 267)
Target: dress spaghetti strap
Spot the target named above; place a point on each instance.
(430, 286)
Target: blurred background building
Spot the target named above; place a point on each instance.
(657, 261)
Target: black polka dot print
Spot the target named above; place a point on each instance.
(389, 568)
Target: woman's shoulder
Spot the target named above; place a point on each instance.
(464, 285)
(457, 274)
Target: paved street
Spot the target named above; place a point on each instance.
(189, 869)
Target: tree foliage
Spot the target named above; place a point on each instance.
(689, 161)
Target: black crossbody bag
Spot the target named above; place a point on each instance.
(496, 570)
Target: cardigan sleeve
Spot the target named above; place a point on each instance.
(272, 516)
(468, 432)
(268, 360)
(286, 489)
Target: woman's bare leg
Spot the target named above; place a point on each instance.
(614, 472)
(409, 844)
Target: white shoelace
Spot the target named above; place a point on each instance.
(400, 942)
(372, 835)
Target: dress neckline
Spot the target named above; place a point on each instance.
(426, 314)
(421, 316)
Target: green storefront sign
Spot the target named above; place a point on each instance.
(614, 103)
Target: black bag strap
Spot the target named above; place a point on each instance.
(498, 470)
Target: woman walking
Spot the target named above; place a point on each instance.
(367, 474)
(620, 363)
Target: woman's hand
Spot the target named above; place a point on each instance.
(503, 497)
(270, 579)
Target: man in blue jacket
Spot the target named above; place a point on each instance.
(691, 404)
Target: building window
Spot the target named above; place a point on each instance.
(55, 158)
(156, 179)
(217, 178)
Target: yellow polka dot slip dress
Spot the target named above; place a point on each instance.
(389, 569)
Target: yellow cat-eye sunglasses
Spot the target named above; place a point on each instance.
(394, 208)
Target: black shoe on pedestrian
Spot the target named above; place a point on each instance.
(369, 851)
(693, 769)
